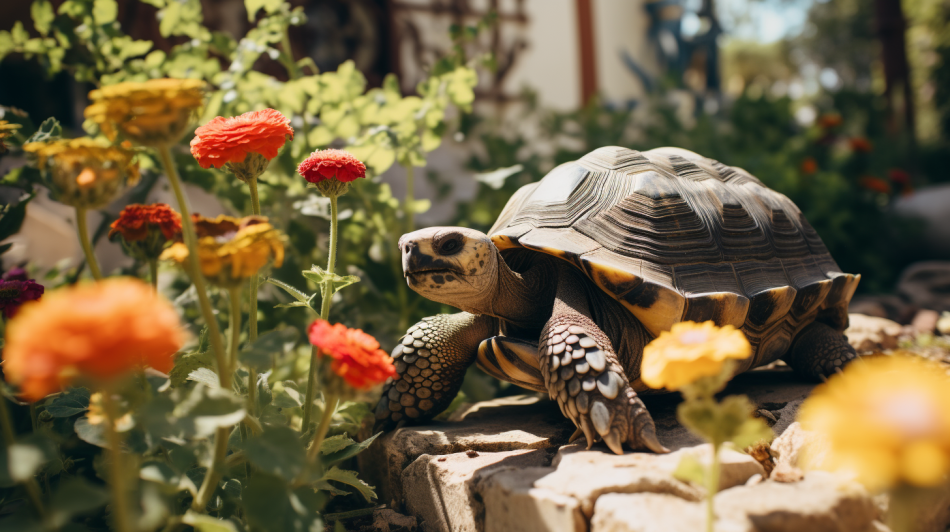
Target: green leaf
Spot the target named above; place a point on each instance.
(261, 353)
(42, 13)
(206, 523)
(332, 457)
(12, 216)
(188, 363)
(297, 294)
(73, 401)
(163, 474)
(206, 409)
(253, 6)
(89, 433)
(321, 277)
(271, 506)
(350, 479)
(74, 496)
(286, 395)
(26, 457)
(277, 452)
(205, 376)
(336, 443)
(104, 11)
(48, 130)
(690, 469)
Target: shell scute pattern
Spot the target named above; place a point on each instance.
(676, 236)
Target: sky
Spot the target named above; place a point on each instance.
(761, 20)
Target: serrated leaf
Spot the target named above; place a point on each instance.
(287, 396)
(296, 294)
(321, 277)
(206, 409)
(206, 523)
(50, 129)
(188, 363)
(347, 452)
(278, 451)
(205, 376)
(89, 433)
(260, 354)
(336, 443)
(73, 401)
(350, 478)
(42, 13)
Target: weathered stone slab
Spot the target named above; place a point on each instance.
(513, 502)
(647, 512)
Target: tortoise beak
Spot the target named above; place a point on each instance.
(414, 260)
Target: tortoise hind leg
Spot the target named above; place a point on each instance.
(819, 351)
(582, 372)
(430, 360)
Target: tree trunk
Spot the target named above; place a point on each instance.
(890, 27)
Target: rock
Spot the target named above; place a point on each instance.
(647, 512)
(441, 490)
(925, 321)
(512, 502)
(386, 520)
(888, 306)
(929, 204)
(788, 447)
(785, 472)
(867, 333)
(927, 285)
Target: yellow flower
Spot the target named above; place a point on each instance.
(6, 131)
(885, 420)
(151, 113)
(231, 250)
(690, 351)
(84, 172)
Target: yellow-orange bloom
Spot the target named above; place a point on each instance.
(151, 113)
(6, 131)
(690, 351)
(85, 172)
(885, 420)
(93, 331)
(230, 249)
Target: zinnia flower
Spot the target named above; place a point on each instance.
(230, 250)
(92, 331)
(145, 229)
(830, 120)
(899, 176)
(875, 184)
(331, 171)
(690, 351)
(884, 420)
(83, 172)
(151, 113)
(357, 358)
(860, 144)
(15, 290)
(809, 166)
(6, 131)
(244, 144)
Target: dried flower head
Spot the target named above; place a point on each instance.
(690, 351)
(243, 144)
(6, 131)
(230, 250)
(84, 172)
(92, 331)
(331, 171)
(151, 113)
(357, 358)
(145, 229)
(884, 420)
(16, 288)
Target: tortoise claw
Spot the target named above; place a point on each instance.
(576, 436)
(647, 438)
(612, 439)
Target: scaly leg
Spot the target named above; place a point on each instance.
(582, 371)
(512, 360)
(431, 360)
(819, 351)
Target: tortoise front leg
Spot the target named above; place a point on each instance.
(431, 360)
(582, 372)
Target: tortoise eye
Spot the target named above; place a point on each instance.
(450, 246)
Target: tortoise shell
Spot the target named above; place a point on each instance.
(674, 236)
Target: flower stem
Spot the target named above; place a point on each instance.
(712, 486)
(901, 515)
(329, 408)
(9, 438)
(153, 273)
(188, 232)
(234, 326)
(86, 244)
(255, 279)
(324, 314)
(213, 475)
(117, 472)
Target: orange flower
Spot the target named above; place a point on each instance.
(809, 166)
(899, 176)
(331, 170)
(229, 141)
(145, 229)
(860, 144)
(875, 184)
(94, 331)
(356, 355)
(829, 120)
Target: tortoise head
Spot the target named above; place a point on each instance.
(452, 265)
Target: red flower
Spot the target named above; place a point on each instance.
(135, 221)
(860, 144)
(356, 355)
(331, 164)
(15, 290)
(230, 140)
(899, 176)
(809, 165)
(829, 120)
(875, 184)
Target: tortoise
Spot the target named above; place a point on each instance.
(585, 267)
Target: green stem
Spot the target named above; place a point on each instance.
(901, 510)
(153, 273)
(255, 279)
(86, 244)
(234, 327)
(324, 314)
(9, 438)
(329, 407)
(712, 486)
(213, 475)
(117, 472)
(191, 240)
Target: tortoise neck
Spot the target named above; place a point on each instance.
(523, 299)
